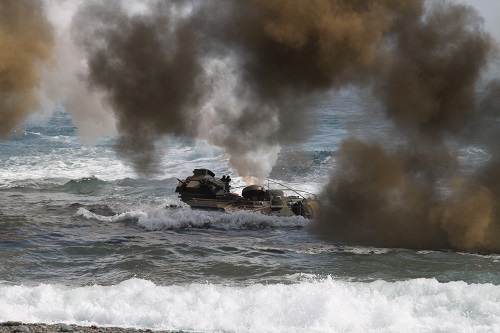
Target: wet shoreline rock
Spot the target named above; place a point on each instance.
(19, 327)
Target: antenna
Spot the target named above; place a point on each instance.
(293, 190)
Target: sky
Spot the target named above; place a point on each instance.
(490, 10)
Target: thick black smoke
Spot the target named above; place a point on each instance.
(415, 193)
(245, 74)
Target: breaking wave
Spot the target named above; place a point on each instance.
(182, 217)
(313, 305)
(86, 185)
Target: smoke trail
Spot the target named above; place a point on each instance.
(25, 42)
(415, 194)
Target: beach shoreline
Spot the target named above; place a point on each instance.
(20, 327)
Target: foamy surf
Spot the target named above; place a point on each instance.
(325, 305)
(183, 217)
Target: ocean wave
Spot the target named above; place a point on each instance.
(191, 218)
(183, 217)
(86, 185)
(317, 248)
(314, 305)
(126, 216)
(299, 165)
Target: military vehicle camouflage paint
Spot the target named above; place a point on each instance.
(203, 190)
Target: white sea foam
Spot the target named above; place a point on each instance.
(177, 218)
(82, 212)
(493, 256)
(67, 163)
(335, 248)
(326, 305)
(74, 161)
(162, 219)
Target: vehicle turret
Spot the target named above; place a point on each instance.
(203, 184)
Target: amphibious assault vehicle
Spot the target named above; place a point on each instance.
(203, 190)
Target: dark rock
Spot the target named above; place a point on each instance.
(11, 323)
(65, 328)
(21, 329)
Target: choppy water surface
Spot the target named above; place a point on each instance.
(85, 240)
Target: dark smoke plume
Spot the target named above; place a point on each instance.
(244, 75)
(434, 66)
(415, 194)
(161, 74)
(25, 42)
(147, 66)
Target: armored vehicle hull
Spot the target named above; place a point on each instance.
(203, 190)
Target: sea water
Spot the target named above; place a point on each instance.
(85, 240)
